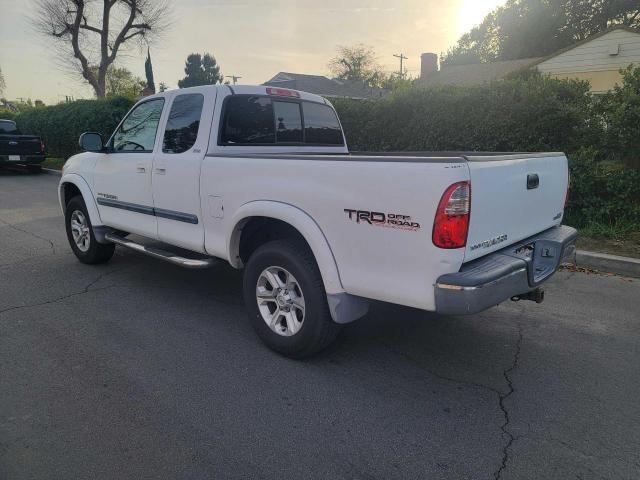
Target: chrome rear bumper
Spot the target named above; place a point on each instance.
(514, 270)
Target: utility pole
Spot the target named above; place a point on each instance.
(401, 57)
(234, 78)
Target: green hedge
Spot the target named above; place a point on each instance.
(61, 125)
(605, 195)
(520, 114)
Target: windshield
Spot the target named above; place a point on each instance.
(8, 126)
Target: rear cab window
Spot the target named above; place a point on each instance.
(183, 123)
(8, 126)
(263, 120)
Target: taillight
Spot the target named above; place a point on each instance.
(41, 146)
(451, 225)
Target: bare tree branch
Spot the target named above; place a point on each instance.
(68, 22)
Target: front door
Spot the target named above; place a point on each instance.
(176, 168)
(123, 175)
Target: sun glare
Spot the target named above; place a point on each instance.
(472, 12)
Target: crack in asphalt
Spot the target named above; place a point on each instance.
(502, 396)
(34, 235)
(83, 291)
(501, 400)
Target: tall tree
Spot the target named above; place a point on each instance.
(148, 70)
(91, 33)
(535, 28)
(200, 70)
(357, 63)
(3, 84)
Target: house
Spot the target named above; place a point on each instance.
(597, 59)
(327, 87)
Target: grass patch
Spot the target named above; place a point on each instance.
(53, 163)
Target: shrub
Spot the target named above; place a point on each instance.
(620, 113)
(60, 125)
(605, 196)
(532, 113)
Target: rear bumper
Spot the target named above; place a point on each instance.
(24, 160)
(514, 270)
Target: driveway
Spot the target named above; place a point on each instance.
(140, 369)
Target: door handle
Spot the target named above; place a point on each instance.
(161, 170)
(141, 168)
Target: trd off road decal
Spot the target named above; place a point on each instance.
(379, 219)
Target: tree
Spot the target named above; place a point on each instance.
(3, 84)
(148, 70)
(120, 82)
(200, 70)
(163, 87)
(357, 63)
(92, 33)
(535, 28)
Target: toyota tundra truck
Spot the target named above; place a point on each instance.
(261, 178)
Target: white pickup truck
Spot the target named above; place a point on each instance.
(261, 177)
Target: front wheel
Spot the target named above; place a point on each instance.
(286, 300)
(81, 237)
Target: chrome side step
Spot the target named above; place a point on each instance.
(161, 254)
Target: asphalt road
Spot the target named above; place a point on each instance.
(139, 369)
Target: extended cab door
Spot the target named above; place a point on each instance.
(122, 177)
(176, 168)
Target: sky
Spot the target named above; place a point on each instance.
(249, 38)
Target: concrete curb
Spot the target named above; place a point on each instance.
(51, 171)
(626, 266)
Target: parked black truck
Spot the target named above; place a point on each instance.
(17, 149)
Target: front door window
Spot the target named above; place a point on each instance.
(138, 131)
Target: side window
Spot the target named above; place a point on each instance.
(182, 126)
(248, 119)
(288, 122)
(321, 125)
(138, 131)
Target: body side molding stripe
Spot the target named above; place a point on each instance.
(179, 216)
(158, 212)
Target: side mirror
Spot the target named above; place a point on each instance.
(91, 142)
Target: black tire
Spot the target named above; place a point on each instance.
(96, 252)
(318, 329)
(34, 168)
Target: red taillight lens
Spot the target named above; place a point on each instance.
(41, 146)
(451, 225)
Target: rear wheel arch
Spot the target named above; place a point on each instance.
(257, 223)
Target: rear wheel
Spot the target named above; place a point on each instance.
(81, 237)
(286, 300)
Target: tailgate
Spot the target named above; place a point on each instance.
(19, 145)
(514, 197)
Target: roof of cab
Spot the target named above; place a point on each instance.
(257, 90)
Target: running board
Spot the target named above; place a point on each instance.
(161, 254)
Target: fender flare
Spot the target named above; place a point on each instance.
(85, 190)
(299, 220)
